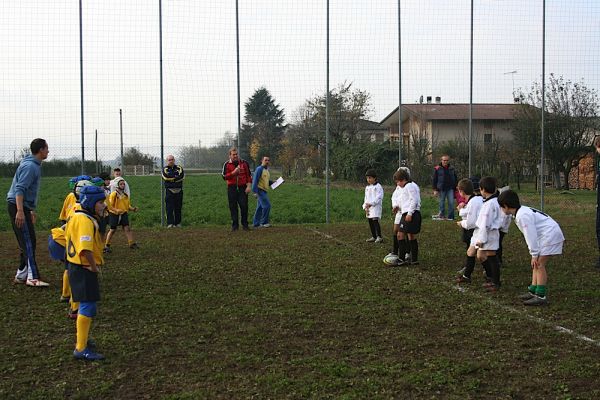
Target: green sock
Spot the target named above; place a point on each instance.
(541, 290)
(532, 288)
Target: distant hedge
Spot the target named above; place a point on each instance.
(58, 168)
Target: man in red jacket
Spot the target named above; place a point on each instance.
(239, 183)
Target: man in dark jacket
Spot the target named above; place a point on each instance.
(173, 176)
(239, 183)
(22, 201)
(444, 185)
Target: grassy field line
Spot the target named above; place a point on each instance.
(489, 300)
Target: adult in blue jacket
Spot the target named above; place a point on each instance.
(260, 185)
(444, 185)
(22, 201)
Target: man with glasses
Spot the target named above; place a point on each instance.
(444, 185)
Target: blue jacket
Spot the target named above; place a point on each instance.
(444, 179)
(26, 182)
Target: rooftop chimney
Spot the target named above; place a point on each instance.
(421, 99)
(438, 99)
(428, 99)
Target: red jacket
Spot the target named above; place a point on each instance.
(241, 179)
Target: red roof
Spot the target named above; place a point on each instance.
(435, 111)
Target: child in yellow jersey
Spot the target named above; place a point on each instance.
(84, 256)
(118, 206)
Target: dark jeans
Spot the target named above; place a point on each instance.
(173, 204)
(598, 218)
(237, 196)
(27, 242)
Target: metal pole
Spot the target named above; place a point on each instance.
(81, 88)
(237, 51)
(96, 150)
(400, 137)
(542, 183)
(162, 143)
(121, 133)
(471, 100)
(327, 124)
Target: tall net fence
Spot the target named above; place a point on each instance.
(380, 55)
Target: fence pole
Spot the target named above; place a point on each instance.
(96, 151)
(81, 88)
(542, 183)
(162, 143)
(237, 52)
(471, 99)
(400, 138)
(327, 123)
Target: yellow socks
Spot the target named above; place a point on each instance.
(83, 330)
(66, 288)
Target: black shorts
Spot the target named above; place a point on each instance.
(115, 220)
(413, 226)
(467, 234)
(84, 284)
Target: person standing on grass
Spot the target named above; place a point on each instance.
(410, 220)
(373, 205)
(173, 177)
(597, 146)
(84, 257)
(236, 172)
(119, 205)
(469, 212)
(117, 173)
(22, 198)
(444, 184)
(260, 185)
(544, 239)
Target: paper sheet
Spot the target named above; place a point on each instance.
(278, 182)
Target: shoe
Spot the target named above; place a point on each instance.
(526, 296)
(246, 228)
(401, 263)
(64, 299)
(91, 344)
(379, 239)
(170, 226)
(463, 279)
(370, 240)
(492, 288)
(134, 246)
(88, 355)
(178, 226)
(36, 283)
(536, 301)
(461, 271)
(72, 314)
(107, 250)
(234, 229)
(19, 281)
(414, 262)
(265, 226)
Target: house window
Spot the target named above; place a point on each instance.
(487, 138)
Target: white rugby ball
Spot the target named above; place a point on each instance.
(390, 259)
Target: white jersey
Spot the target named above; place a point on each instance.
(410, 198)
(487, 226)
(540, 231)
(373, 196)
(396, 204)
(470, 212)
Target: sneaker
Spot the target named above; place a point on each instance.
(379, 239)
(370, 240)
(461, 271)
(64, 299)
(414, 262)
(36, 283)
(91, 344)
(265, 226)
(107, 250)
(526, 296)
(134, 246)
(87, 354)
(536, 301)
(492, 288)
(463, 279)
(178, 226)
(170, 226)
(72, 314)
(19, 281)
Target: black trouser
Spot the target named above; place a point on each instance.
(173, 204)
(237, 196)
(375, 227)
(598, 216)
(26, 239)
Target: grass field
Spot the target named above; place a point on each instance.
(306, 311)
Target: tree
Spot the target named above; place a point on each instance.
(264, 126)
(133, 156)
(571, 119)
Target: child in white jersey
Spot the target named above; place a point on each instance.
(486, 236)
(372, 205)
(469, 213)
(544, 239)
(410, 218)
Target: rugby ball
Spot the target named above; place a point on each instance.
(390, 260)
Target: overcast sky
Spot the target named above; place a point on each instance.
(282, 47)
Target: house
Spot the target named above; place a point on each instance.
(439, 123)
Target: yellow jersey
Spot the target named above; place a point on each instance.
(118, 204)
(67, 205)
(82, 233)
(58, 234)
